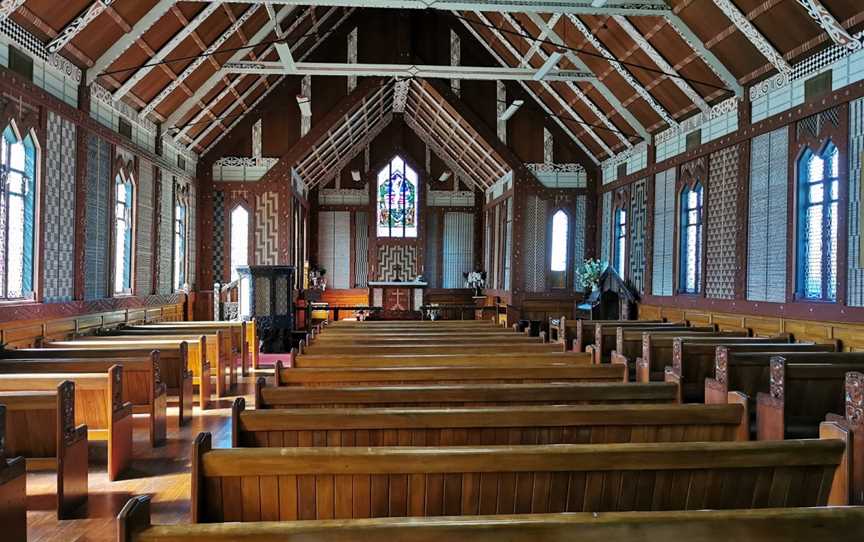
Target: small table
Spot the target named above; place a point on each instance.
(396, 296)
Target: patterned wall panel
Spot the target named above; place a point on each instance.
(534, 244)
(192, 244)
(144, 233)
(856, 154)
(721, 230)
(664, 234)
(267, 228)
(334, 247)
(433, 249)
(361, 249)
(218, 236)
(58, 213)
(166, 235)
(96, 245)
(508, 243)
(767, 217)
(638, 224)
(578, 238)
(606, 228)
(458, 248)
(402, 255)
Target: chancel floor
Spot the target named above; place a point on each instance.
(164, 473)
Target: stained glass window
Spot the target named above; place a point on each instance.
(123, 206)
(619, 255)
(17, 211)
(558, 263)
(239, 240)
(179, 245)
(397, 200)
(690, 251)
(818, 192)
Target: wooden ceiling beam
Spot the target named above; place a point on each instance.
(25, 13)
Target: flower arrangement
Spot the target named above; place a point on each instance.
(589, 275)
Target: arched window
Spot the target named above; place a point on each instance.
(690, 250)
(558, 259)
(180, 231)
(239, 240)
(397, 200)
(818, 191)
(619, 250)
(17, 212)
(124, 193)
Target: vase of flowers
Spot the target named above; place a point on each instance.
(589, 275)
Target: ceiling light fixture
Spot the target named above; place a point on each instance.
(305, 105)
(444, 176)
(547, 66)
(511, 110)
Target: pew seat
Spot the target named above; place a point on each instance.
(502, 359)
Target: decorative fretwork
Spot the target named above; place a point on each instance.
(638, 223)
(78, 24)
(721, 263)
(855, 398)
(830, 25)
(752, 33)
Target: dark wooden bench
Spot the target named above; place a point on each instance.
(248, 484)
(237, 336)
(431, 375)
(629, 343)
(606, 336)
(197, 358)
(142, 383)
(580, 335)
(461, 395)
(693, 362)
(98, 404)
(412, 339)
(173, 367)
(765, 525)
(40, 427)
(849, 481)
(13, 490)
(449, 348)
(502, 359)
(558, 424)
(657, 350)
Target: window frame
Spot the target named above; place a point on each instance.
(230, 260)
(180, 202)
(802, 204)
(620, 234)
(123, 173)
(33, 189)
(407, 165)
(553, 283)
(683, 224)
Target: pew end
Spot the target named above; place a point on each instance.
(133, 518)
(854, 400)
(260, 384)
(769, 417)
(671, 376)
(835, 428)
(237, 407)
(72, 460)
(203, 443)
(120, 425)
(617, 359)
(13, 496)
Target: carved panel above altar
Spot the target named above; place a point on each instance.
(397, 258)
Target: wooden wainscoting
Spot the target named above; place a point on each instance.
(345, 297)
(851, 336)
(29, 333)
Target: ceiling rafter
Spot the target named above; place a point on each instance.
(623, 72)
(827, 22)
(165, 50)
(742, 22)
(708, 57)
(190, 69)
(77, 25)
(118, 47)
(214, 79)
(661, 63)
(538, 43)
(567, 130)
(318, 24)
(576, 90)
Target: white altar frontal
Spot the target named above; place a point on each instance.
(395, 296)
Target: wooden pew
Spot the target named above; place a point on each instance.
(142, 383)
(329, 331)
(237, 337)
(849, 482)
(197, 358)
(173, 367)
(246, 484)
(217, 346)
(801, 394)
(503, 359)
(577, 333)
(606, 336)
(629, 343)
(98, 405)
(693, 362)
(657, 350)
(430, 375)
(248, 334)
(13, 490)
(449, 348)
(462, 395)
(413, 339)
(817, 524)
(586, 330)
(558, 424)
(412, 324)
(40, 427)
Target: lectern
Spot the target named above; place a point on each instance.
(267, 297)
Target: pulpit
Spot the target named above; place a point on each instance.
(266, 295)
(400, 300)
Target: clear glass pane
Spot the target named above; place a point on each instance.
(817, 193)
(693, 217)
(813, 253)
(832, 256)
(16, 182)
(693, 199)
(17, 156)
(835, 190)
(119, 254)
(239, 240)
(692, 237)
(15, 264)
(121, 192)
(559, 241)
(815, 169)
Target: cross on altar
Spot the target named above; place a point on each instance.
(396, 299)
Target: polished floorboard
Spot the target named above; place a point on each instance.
(163, 473)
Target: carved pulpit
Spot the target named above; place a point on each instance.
(266, 295)
(613, 299)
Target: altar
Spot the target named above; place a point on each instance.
(398, 299)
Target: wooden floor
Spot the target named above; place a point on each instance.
(162, 472)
